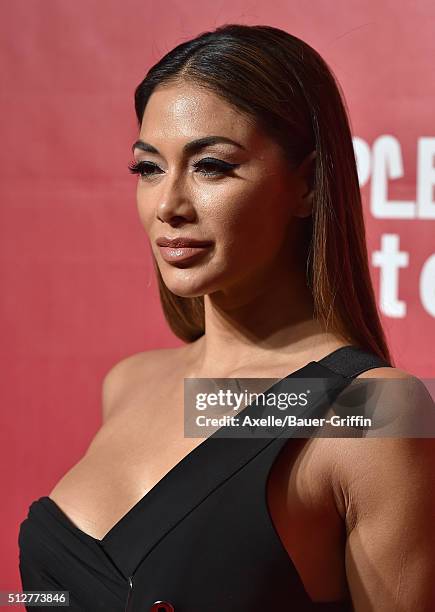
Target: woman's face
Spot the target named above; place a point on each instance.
(241, 197)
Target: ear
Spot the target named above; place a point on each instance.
(305, 172)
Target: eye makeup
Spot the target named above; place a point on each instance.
(207, 166)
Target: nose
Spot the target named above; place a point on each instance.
(175, 206)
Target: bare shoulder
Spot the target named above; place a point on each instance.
(132, 373)
(386, 373)
(401, 397)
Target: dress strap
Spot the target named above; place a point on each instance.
(349, 361)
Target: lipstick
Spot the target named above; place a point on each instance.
(180, 249)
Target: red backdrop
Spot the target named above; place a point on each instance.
(78, 291)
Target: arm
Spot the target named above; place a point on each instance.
(389, 491)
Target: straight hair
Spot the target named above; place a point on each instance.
(284, 84)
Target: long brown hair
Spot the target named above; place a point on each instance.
(290, 91)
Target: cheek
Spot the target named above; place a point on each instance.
(255, 219)
(247, 220)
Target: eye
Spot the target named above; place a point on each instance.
(142, 168)
(207, 166)
(214, 167)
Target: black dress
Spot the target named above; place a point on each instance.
(201, 540)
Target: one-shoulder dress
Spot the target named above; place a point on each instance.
(201, 540)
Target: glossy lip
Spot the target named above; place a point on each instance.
(180, 242)
(180, 251)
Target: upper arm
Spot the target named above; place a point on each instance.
(390, 548)
(385, 493)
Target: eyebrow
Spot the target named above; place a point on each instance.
(190, 147)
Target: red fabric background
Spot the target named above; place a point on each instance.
(78, 291)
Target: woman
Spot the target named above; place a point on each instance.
(248, 192)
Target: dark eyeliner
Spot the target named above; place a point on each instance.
(207, 162)
(222, 166)
(136, 167)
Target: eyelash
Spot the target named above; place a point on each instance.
(223, 167)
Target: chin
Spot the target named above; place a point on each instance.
(188, 283)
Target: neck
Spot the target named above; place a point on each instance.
(264, 323)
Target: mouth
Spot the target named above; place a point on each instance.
(182, 254)
(186, 250)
